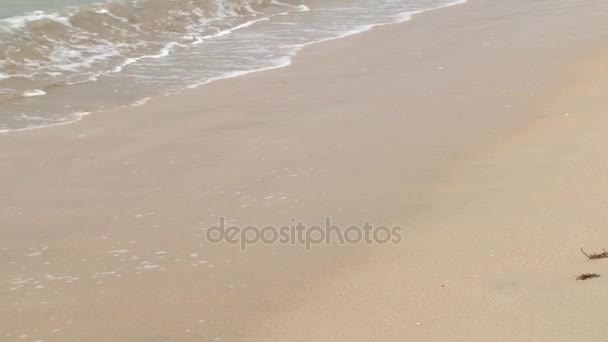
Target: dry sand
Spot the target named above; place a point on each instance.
(452, 125)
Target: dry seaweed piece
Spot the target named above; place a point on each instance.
(587, 276)
(595, 256)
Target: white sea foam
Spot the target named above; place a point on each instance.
(34, 92)
(21, 21)
(68, 119)
(282, 62)
(141, 102)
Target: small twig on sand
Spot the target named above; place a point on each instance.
(587, 276)
(595, 256)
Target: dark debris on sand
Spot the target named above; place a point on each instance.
(595, 256)
(585, 276)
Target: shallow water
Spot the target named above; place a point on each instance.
(60, 60)
(11, 8)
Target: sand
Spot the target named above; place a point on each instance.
(477, 128)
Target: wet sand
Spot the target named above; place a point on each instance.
(452, 126)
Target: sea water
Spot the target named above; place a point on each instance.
(63, 59)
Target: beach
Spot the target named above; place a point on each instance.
(477, 128)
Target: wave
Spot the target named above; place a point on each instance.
(123, 53)
(286, 60)
(42, 49)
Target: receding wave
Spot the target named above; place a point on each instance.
(57, 66)
(40, 50)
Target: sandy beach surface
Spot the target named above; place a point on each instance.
(479, 129)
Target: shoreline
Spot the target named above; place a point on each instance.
(476, 159)
(287, 61)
